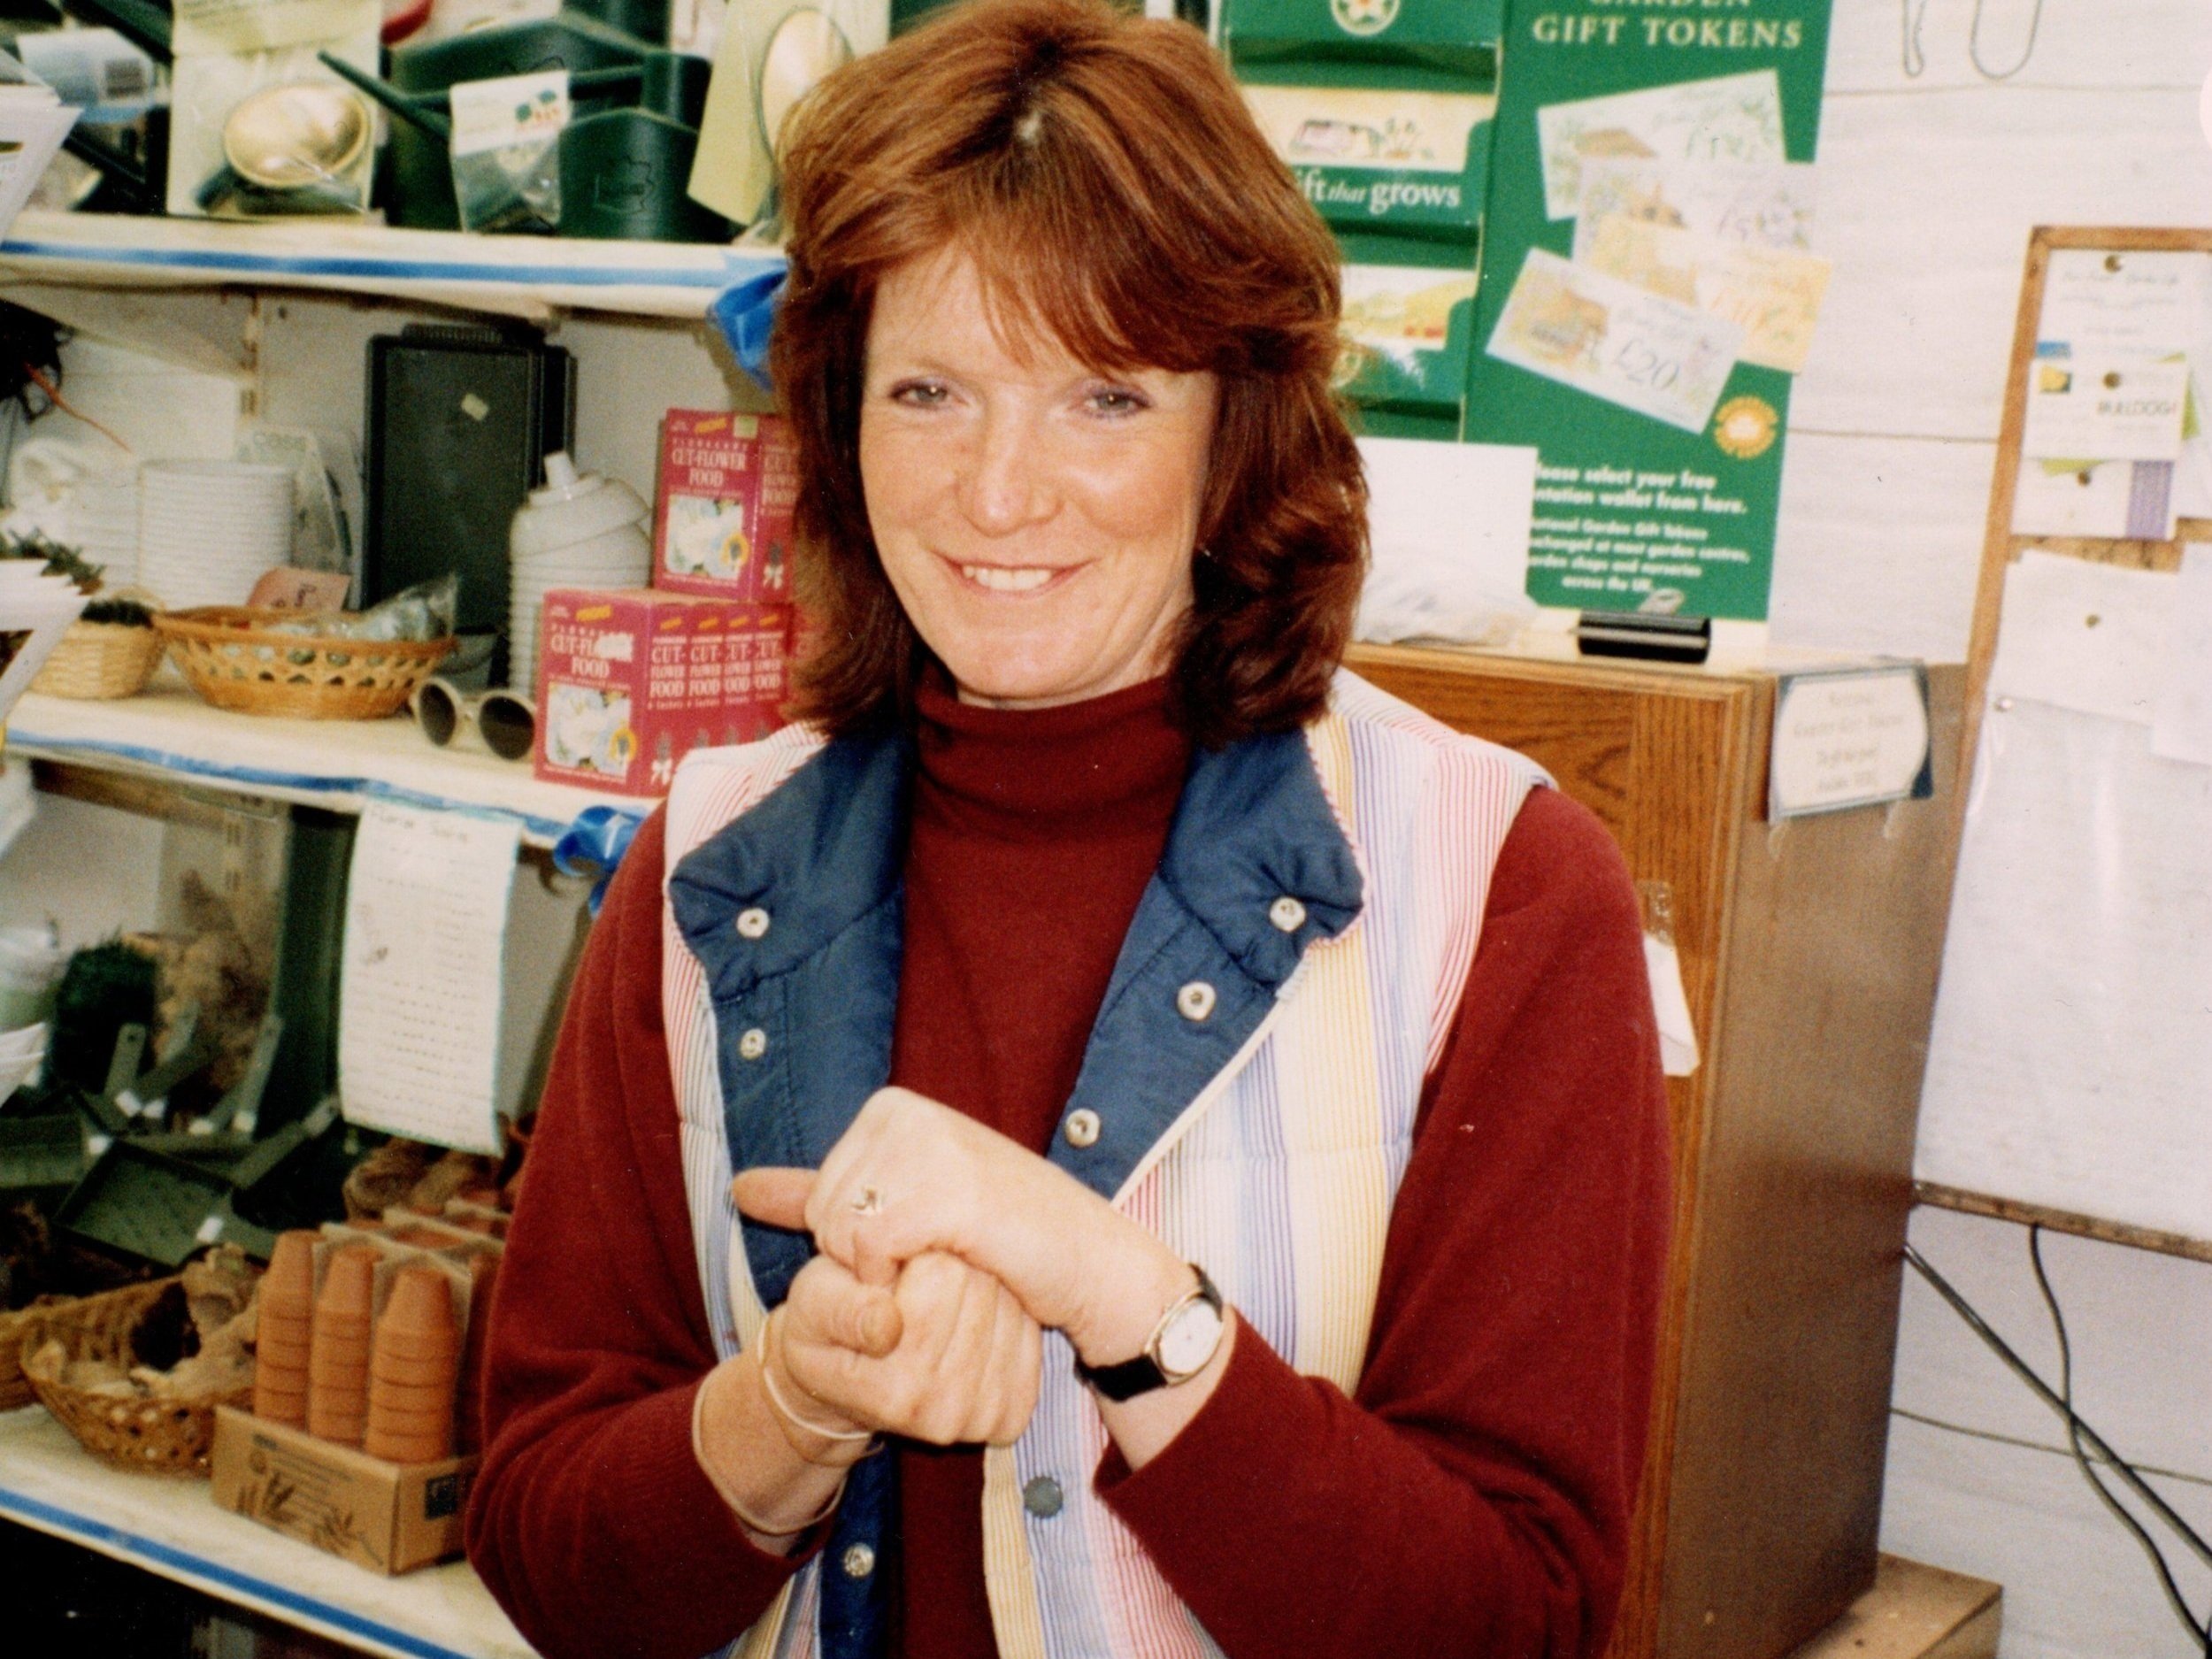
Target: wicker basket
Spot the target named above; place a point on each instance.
(100, 659)
(25, 1327)
(235, 663)
(169, 1436)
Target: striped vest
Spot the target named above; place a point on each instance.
(1265, 1140)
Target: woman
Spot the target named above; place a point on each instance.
(1196, 1122)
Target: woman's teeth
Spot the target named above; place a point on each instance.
(1000, 579)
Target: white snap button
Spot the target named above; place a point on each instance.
(753, 1044)
(859, 1561)
(1081, 1128)
(752, 924)
(1195, 999)
(1287, 914)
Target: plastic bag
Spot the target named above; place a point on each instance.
(506, 149)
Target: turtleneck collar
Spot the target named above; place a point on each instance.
(1076, 770)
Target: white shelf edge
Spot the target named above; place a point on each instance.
(169, 734)
(503, 274)
(51, 1485)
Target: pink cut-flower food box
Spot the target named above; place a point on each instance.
(632, 680)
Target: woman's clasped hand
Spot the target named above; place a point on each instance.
(942, 1353)
(919, 1210)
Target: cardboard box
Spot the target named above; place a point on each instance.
(722, 522)
(630, 682)
(389, 1518)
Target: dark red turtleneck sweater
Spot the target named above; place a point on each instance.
(1473, 1499)
(996, 1000)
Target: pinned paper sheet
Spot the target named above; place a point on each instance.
(2083, 636)
(1447, 525)
(2067, 1062)
(2098, 407)
(2181, 706)
(419, 996)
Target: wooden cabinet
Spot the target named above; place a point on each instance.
(1810, 949)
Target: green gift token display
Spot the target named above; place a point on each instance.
(1381, 108)
(1648, 353)
(1408, 328)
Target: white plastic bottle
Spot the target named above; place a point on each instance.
(577, 530)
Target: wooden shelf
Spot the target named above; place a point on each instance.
(529, 276)
(1914, 1612)
(168, 733)
(172, 1527)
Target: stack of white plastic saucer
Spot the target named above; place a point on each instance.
(207, 530)
(578, 530)
(104, 525)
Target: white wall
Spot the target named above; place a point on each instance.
(1929, 189)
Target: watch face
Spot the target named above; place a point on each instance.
(1189, 1340)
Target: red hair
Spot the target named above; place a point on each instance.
(1106, 177)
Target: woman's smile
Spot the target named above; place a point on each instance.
(1023, 579)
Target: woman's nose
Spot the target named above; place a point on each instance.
(1006, 487)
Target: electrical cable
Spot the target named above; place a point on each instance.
(1974, 44)
(2064, 1407)
(1915, 56)
(2044, 1392)
(2201, 1632)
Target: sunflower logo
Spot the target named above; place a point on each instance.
(1744, 427)
(1364, 17)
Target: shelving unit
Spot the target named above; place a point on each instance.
(172, 1527)
(170, 734)
(280, 310)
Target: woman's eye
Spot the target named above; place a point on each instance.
(920, 393)
(1116, 400)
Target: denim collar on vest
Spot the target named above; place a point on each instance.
(804, 1010)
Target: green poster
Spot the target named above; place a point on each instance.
(1648, 291)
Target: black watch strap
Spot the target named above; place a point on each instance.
(1126, 1379)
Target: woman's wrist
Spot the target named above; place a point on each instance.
(1136, 1278)
(815, 1432)
(776, 1494)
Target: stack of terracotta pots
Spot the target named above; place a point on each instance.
(415, 1363)
(338, 1369)
(371, 1334)
(284, 1327)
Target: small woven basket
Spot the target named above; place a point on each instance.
(233, 660)
(168, 1436)
(99, 659)
(24, 1327)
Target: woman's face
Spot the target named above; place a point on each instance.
(1035, 518)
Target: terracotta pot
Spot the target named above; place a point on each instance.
(288, 1287)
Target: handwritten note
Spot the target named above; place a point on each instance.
(419, 990)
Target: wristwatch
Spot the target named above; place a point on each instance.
(1180, 1347)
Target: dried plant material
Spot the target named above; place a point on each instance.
(217, 1288)
(385, 1177)
(447, 1179)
